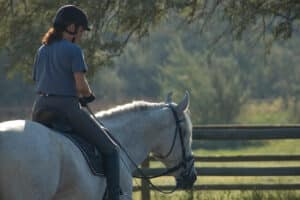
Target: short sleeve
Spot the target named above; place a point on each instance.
(77, 61)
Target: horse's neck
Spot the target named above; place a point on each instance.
(137, 132)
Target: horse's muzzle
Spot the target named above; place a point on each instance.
(187, 178)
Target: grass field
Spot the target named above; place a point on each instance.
(228, 195)
(266, 147)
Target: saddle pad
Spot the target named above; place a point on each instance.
(90, 153)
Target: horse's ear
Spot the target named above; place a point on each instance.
(169, 98)
(184, 104)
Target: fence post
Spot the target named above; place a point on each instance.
(145, 191)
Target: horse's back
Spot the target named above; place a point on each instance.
(26, 138)
(39, 163)
(24, 156)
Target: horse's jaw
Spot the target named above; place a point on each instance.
(138, 151)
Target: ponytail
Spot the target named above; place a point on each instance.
(51, 36)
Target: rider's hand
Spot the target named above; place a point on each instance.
(85, 100)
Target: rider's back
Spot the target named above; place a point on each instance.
(54, 67)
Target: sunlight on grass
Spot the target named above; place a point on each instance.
(225, 195)
(266, 112)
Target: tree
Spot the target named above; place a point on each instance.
(114, 22)
(258, 17)
(215, 86)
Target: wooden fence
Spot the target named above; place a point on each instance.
(237, 133)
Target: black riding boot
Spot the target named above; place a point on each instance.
(112, 171)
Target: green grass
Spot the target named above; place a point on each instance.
(268, 112)
(268, 147)
(225, 195)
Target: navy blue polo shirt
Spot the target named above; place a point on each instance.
(54, 67)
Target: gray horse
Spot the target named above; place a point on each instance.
(38, 163)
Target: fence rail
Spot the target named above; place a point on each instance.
(246, 132)
(241, 132)
(232, 187)
(237, 171)
(248, 158)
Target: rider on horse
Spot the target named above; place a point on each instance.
(59, 74)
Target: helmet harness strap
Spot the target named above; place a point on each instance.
(73, 33)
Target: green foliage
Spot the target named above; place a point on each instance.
(213, 86)
(174, 62)
(13, 90)
(267, 112)
(173, 57)
(107, 85)
(220, 82)
(113, 23)
(260, 17)
(139, 67)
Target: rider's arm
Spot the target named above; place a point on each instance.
(82, 86)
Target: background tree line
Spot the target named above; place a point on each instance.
(226, 53)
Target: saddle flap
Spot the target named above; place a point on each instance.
(90, 153)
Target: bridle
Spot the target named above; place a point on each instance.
(185, 159)
(178, 131)
(183, 164)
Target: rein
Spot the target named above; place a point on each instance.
(142, 175)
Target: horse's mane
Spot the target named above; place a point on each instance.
(134, 106)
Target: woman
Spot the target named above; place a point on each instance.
(59, 74)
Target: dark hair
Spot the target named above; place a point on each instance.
(52, 35)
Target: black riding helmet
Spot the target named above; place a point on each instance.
(70, 14)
